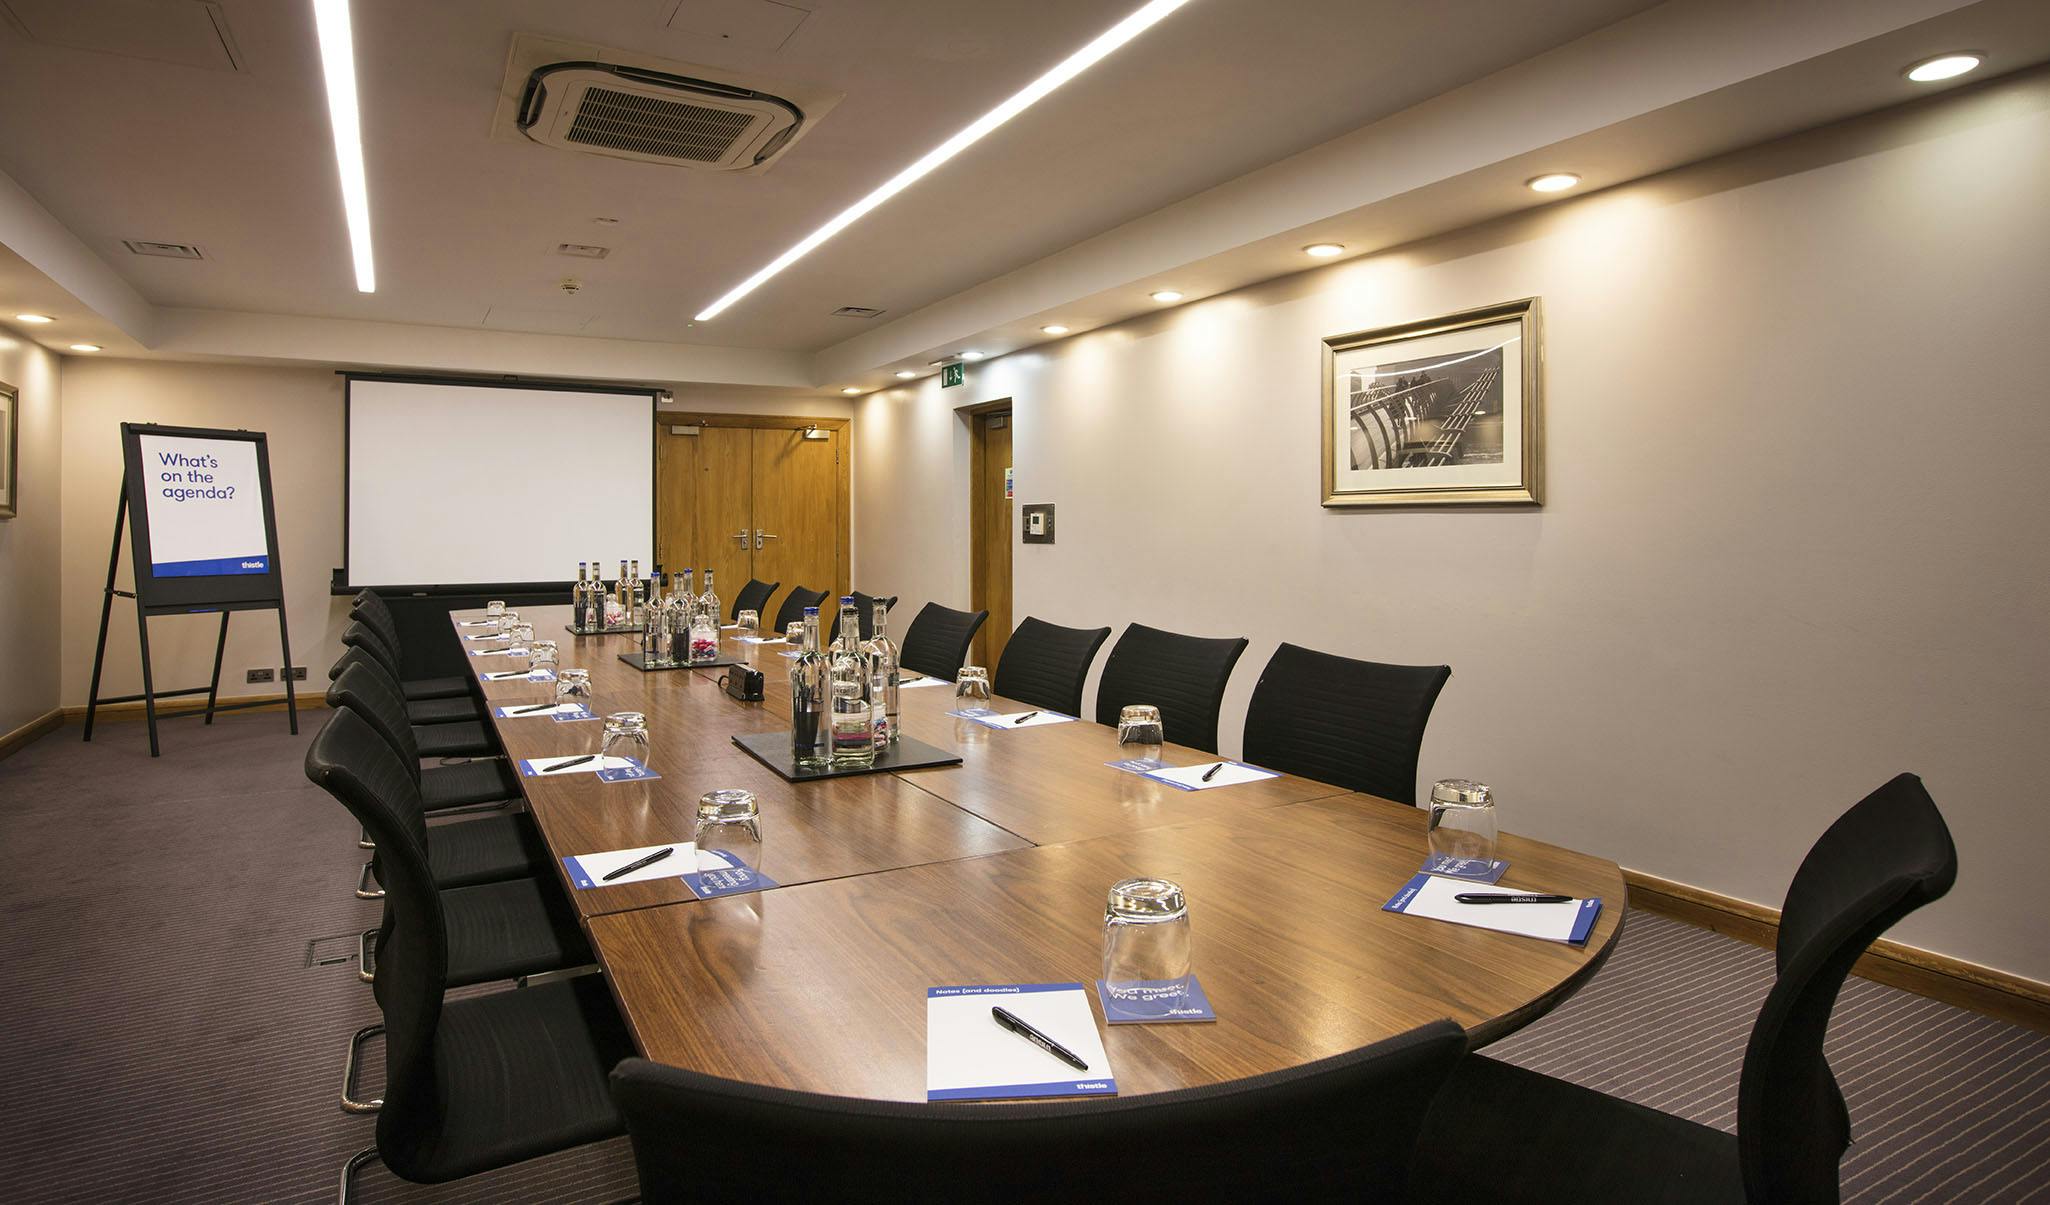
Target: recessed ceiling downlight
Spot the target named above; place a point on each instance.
(1552, 182)
(1053, 328)
(1166, 295)
(905, 374)
(1944, 66)
(87, 347)
(1324, 250)
(34, 319)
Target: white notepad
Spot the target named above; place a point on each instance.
(922, 680)
(1038, 720)
(1190, 778)
(589, 870)
(968, 1056)
(1432, 896)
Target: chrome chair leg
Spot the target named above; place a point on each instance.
(363, 840)
(349, 1103)
(364, 891)
(362, 1158)
(366, 950)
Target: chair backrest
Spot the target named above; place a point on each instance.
(365, 688)
(1184, 676)
(379, 620)
(353, 763)
(1353, 724)
(1343, 1127)
(794, 604)
(1045, 664)
(937, 641)
(1886, 857)
(361, 635)
(753, 597)
(864, 610)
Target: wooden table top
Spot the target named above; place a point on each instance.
(995, 871)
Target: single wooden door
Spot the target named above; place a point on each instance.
(990, 508)
(797, 512)
(725, 511)
(676, 474)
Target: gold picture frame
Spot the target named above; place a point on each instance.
(10, 451)
(1444, 411)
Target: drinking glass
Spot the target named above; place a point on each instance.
(521, 634)
(573, 686)
(542, 656)
(795, 634)
(750, 622)
(1462, 820)
(1139, 724)
(729, 824)
(972, 684)
(494, 608)
(506, 620)
(626, 735)
(1146, 946)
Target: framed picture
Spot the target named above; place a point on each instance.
(10, 437)
(1436, 412)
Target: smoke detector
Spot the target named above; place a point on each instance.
(597, 101)
(571, 285)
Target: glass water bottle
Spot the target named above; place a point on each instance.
(809, 741)
(884, 673)
(684, 595)
(853, 719)
(704, 639)
(708, 602)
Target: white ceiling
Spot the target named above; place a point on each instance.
(239, 162)
(1202, 155)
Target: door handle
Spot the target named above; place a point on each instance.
(761, 535)
(741, 536)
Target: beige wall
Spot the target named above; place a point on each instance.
(301, 410)
(1794, 539)
(29, 543)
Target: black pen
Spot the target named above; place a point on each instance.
(1016, 1025)
(1212, 771)
(1472, 897)
(638, 863)
(1020, 720)
(574, 761)
(535, 707)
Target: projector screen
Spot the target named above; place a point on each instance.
(456, 484)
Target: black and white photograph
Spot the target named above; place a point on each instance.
(1439, 411)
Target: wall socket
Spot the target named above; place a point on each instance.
(298, 673)
(262, 675)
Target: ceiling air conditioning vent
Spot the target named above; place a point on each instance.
(167, 250)
(655, 117)
(856, 311)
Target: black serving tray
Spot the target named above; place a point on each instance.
(772, 749)
(634, 659)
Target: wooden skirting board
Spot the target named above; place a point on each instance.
(49, 721)
(133, 711)
(1939, 977)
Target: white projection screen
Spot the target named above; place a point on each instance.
(455, 484)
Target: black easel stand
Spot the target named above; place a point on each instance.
(150, 694)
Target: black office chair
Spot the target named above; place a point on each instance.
(453, 738)
(374, 611)
(1342, 1128)
(484, 779)
(1501, 1133)
(440, 709)
(1045, 664)
(793, 608)
(937, 641)
(483, 850)
(754, 597)
(475, 1083)
(864, 610)
(1353, 724)
(1184, 676)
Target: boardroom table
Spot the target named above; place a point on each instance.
(995, 870)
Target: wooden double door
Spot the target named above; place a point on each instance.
(748, 499)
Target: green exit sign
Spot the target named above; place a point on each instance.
(951, 375)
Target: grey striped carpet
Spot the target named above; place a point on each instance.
(168, 1040)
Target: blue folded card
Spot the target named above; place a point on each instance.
(735, 878)
(1184, 1001)
(1480, 870)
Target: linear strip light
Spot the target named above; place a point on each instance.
(1074, 65)
(338, 64)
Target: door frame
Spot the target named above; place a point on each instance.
(978, 535)
(843, 554)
